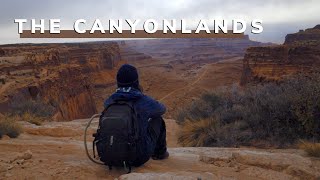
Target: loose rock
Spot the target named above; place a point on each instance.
(3, 167)
(23, 156)
(5, 137)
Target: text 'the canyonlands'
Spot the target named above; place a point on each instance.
(149, 28)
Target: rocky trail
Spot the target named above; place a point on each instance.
(186, 87)
(55, 150)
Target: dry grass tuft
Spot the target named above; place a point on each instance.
(31, 118)
(312, 149)
(195, 133)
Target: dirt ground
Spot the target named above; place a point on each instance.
(56, 151)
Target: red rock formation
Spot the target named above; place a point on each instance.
(300, 53)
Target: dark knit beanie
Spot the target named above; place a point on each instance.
(127, 76)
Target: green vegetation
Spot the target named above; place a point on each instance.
(274, 113)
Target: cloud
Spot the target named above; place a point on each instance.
(278, 16)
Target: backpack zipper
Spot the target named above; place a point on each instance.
(111, 140)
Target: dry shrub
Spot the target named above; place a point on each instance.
(34, 111)
(200, 109)
(312, 149)
(37, 107)
(10, 127)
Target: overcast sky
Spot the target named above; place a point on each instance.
(280, 17)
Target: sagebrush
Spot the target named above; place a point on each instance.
(34, 111)
(278, 113)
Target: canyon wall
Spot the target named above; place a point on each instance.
(61, 75)
(299, 53)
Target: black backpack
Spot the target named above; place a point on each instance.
(117, 135)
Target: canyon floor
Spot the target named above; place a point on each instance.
(55, 150)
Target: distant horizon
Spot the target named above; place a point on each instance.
(66, 41)
(59, 41)
(108, 40)
(252, 37)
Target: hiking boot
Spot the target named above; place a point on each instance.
(160, 156)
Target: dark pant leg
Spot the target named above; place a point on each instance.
(157, 130)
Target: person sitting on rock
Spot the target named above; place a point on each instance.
(152, 129)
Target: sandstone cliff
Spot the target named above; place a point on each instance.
(299, 53)
(62, 75)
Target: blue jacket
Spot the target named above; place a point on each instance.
(146, 108)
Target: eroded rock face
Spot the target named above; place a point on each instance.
(60, 74)
(73, 95)
(299, 53)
